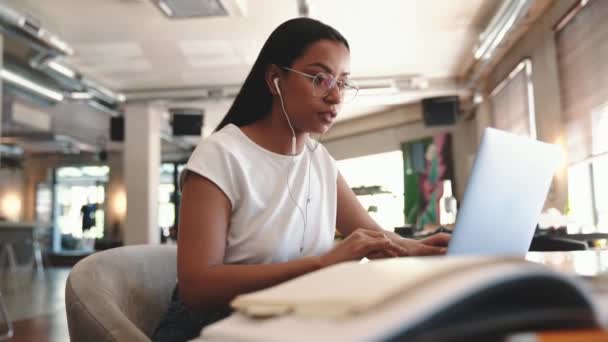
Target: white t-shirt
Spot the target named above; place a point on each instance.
(265, 224)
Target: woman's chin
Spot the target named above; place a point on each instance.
(322, 128)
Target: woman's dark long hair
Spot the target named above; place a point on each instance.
(285, 44)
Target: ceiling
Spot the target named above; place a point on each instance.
(132, 47)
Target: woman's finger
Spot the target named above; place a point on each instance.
(371, 233)
(384, 245)
(430, 250)
(376, 255)
(398, 249)
(374, 245)
(382, 255)
(439, 239)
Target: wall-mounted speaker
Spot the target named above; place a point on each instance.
(440, 111)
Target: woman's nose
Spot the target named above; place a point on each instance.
(334, 96)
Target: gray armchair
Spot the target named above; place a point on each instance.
(120, 294)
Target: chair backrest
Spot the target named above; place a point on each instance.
(120, 294)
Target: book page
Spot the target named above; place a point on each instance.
(352, 287)
(438, 283)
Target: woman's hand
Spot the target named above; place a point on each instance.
(362, 243)
(439, 240)
(432, 245)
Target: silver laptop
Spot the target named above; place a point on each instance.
(506, 192)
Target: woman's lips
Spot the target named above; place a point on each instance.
(327, 117)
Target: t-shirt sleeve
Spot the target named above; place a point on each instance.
(213, 161)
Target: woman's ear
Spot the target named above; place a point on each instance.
(272, 73)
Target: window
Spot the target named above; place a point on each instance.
(582, 54)
(169, 199)
(44, 203)
(513, 102)
(79, 206)
(381, 193)
(600, 189)
(166, 203)
(580, 199)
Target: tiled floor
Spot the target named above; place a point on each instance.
(36, 304)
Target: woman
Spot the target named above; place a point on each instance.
(261, 200)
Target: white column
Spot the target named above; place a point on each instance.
(142, 174)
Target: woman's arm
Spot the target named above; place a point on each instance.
(352, 216)
(206, 283)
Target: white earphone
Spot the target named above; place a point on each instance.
(293, 137)
(304, 212)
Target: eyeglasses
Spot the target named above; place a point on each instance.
(323, 84)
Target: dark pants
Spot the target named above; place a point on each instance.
(180, 324)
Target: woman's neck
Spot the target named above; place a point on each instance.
(273, 133)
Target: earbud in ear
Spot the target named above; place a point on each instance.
(293, 139)
(276, 85)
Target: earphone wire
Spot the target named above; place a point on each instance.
(303, 212)
(293, 133)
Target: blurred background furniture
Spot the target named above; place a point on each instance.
(6, 320)
(551, 243)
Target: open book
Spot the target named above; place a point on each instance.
(430, 298)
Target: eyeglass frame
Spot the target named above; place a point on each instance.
(313, 77)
